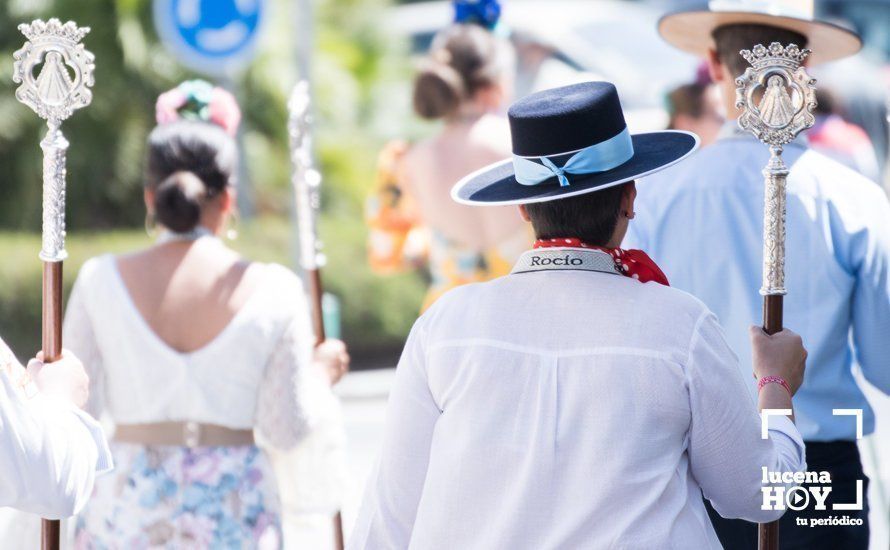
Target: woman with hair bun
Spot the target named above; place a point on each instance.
(192, 350)
(465, 83)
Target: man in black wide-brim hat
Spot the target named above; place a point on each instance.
(579, 402)
(703, 222)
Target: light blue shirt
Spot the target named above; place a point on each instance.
(702, 221)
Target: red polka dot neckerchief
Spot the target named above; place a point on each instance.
(630, 263)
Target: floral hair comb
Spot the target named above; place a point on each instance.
(199, 100)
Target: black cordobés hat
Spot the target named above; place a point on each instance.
(568, 141)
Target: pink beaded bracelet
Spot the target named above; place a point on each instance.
(773, 380)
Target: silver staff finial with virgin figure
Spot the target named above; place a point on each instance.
(55, 74)
(306, 180)
(785, 109)
(777, 98)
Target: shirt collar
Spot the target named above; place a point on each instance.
(731, 130)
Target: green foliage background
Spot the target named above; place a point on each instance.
(359, 77)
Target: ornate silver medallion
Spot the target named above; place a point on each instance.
(777, 98)
(787, 93)
(55, 74)
(305, 178)
(62, 84)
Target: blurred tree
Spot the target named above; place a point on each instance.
(107, 138)
(353, 57)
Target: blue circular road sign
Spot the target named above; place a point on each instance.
(210, 36)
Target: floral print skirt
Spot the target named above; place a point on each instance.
(183, 498)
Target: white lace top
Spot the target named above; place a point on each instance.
(255, 374)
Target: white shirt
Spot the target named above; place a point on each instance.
(568, 409)
(702, 222)
(50, 451)
(254, 374)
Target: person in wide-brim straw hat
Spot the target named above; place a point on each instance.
(579, 402)
(692, 31)
(837, 248)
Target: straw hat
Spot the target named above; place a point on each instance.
(691, 31)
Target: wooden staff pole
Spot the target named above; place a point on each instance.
(50, 530)
(768, 533)
(52, 311)
(306, 181)
(787, 98)
(61, 86)
(772, 313)
(316, 293)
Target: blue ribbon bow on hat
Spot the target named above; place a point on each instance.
(599, 157)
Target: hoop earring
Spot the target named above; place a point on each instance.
(151, 228)
(232, 231)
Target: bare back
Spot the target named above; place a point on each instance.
(432, 167)
(188, 292)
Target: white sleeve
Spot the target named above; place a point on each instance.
(726, 452)
(50, 453)
(292, 391)
(79, 337)
(389, 508)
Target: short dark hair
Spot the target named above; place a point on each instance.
(591, 217)
(731, 39)
(826, 102)
(688, 99)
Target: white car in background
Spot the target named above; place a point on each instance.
(608, 40)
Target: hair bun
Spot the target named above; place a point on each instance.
(439, 89)
(178, 201)
(463, 59)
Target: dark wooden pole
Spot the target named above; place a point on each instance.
(768, 533)
(52, 311)
(339, 543)
(772, 313)
(316, 292)
(768, 536)
(50, 530)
